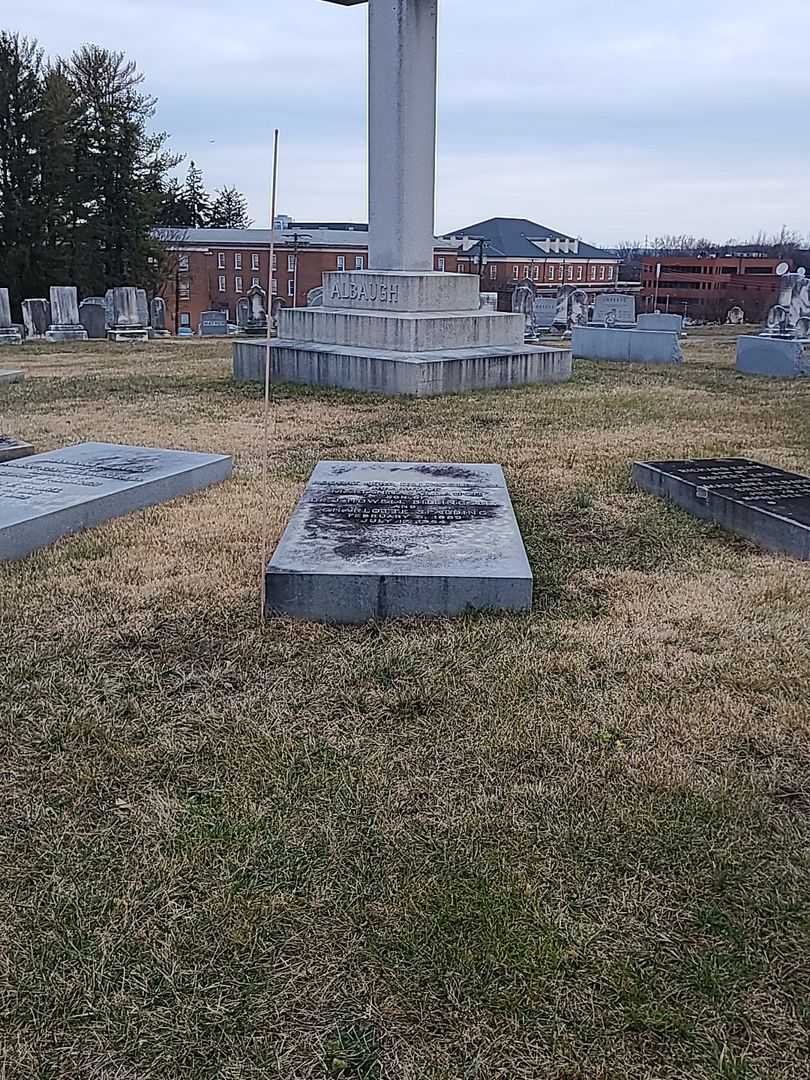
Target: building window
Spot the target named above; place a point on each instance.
(237, 260)
(525, 271)
(275, 262)
(515, 272)
(601, 273)
(291, 287)
(221, 260)
(551, 273)
(185, 290)
(536, 272)
(441, 263)
(570, 273)
(254, 262)
(493, 271)
(341, 262)
(222, 283)
(183, 264)
(291, 263)
(359, 262)
(593, 273)
(579, 273)
(237, 283)
(610, 273)
(254, 283)
(275, 286)
(185, 318)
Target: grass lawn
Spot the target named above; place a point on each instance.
(569, 846)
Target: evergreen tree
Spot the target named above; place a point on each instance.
(174, 212)
(59, 200)
(196, 199)
(229, 210)
(20, 96)
(120, 171)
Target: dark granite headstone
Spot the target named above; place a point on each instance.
(93, 317)
(36, 318)
(767, 505)
(213, 324)
(51, 495)
(388, 539)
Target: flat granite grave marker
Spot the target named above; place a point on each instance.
(373, 540)
(51, 495)
(8, 375)
(614, 309)
(767, 505)
(11, 448)
(214, 324)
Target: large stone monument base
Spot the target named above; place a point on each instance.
(398, 332)
(11, 448)
(68, 333)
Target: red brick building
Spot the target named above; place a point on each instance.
(211, 269)
(706, 286)
(507, 250)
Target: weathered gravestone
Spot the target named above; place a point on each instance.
(65, 325)
(157, 310)
(373, 540)
(544, 310)
(626, 346)
(214, 324)
(125, 315)
(242, 312)
(142, 305)
(12, 375)
(778, 357)
(488, 301)
(659, 320)
(614, 309)
(257, 318)
(767, 505)
(51, 495)
(11, 448)
(36, 319)
(735, 316)
(93, 317)
(9, 334)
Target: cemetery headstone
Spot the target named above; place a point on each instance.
(660, 320)
(257, 321)
(562, 314)
(315, 297)
(243, 312)
(214, 324)
(735, 316)
(778, 357)
(767, 505)
(627, 346)
(545, 309)
(11, 448)
(142, 303)
(11, 375)
(126, 315)
(158, 317)
(790, 315)
(36, 319)
(488, 301)
(51, 495)
(616, 309)
(522, 303)
(93, 317)
(373, 540)
(9, 334)
(65, 325)
(579, 308)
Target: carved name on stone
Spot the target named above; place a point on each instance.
(375, 292)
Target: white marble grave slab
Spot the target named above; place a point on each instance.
(51, 495)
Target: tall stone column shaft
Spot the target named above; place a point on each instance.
(402, 133)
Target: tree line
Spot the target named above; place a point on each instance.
(83, 179)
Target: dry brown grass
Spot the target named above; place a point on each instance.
(570, 846)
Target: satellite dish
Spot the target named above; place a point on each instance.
(782, 269)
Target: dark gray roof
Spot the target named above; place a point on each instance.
(510, 238)
(317, 235)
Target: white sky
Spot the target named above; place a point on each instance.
(602, 118)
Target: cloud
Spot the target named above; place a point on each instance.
(608, 120)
